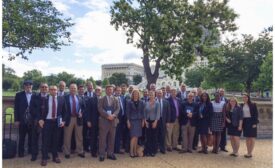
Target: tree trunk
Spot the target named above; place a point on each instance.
(151, 78)
(248, 85)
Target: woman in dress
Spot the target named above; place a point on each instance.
(217, 121)
(250, 121)
(205, 110)
(135, 120)
(234, 120)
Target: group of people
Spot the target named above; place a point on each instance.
(124, 120)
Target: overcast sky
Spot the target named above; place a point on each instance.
(96, 42)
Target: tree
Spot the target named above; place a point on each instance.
(66, 77)
(118, 78)
(169, 33)
(105, 82)
(52, 79)
(137, 79)
(33, 24)
(10, 80)
(98, 82)
(36, 76)
(91, 79)
(238, 60)
(194, 77)
(264, 81)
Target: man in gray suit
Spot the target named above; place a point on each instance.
(164, 118)
(108, 107)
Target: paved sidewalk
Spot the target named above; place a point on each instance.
(262, 158)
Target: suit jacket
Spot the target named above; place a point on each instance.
(205, 112)
(183, 118)
(20, 106)
(179, 96)
(173, 109)
(123, 102)
(103, 103)
(237, 115)
(166, 112)
(36, 103)
(67, 114)
(133, 112)
(85, 100)
(92, 110)
(254, 112)
(43, 111)
(86, 94)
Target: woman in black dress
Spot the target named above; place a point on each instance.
(205, 110)
(234, 120)
(135, 120)
(250, 121)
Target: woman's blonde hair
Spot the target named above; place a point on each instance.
(228, 106)
(132, 96)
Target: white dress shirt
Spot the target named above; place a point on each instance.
(49, 116)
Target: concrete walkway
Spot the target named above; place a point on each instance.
(262, 158)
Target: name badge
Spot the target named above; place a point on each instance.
(188, 111)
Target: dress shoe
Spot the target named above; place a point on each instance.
(111, 157)
(21, 155)
(248, 156)
(33, 158)
(57, 160)
(152, 155)
(101, 158)
(44, 163)
(48, 157)
(224, 150)
(169, 149)
(176, 149)
(162, 151)
(82, 155)
(183, 151)
(67, 156)
(189, 151)
(94, 155)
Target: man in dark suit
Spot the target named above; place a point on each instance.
(22, 116)
(92, 120)
(121, 129)
(223, 135)
(182, 94)
(145, 97)
(48, 116)
(73, 118)
(37, 101)
(164, 118)
(86, 135)
(108, 107)
(61, 92)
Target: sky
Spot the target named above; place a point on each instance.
(96, 42)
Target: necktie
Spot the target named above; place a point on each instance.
(160, 102)
(74, 106)
(121, 106)
(53, 108)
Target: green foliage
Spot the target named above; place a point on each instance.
(36, 76)
(137, 79)
(118, 78)
(237, 61)
(33, 24)
(105, 82)
(10, 80)
(170, 32)
(194, 77)
(264, 81)
(66, 77)
(52, 79)
(98, 82)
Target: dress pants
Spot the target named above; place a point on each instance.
(196, 138)
(122, 135)
(161, 135)
(94, 139)
(86, 136)
(35, 137)
(172, 135)
(50, 135)
(24, 129)
(151, 139)
(107, 133)
(188, 132)
(78, 136)
(223, 139)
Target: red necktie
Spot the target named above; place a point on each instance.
(53, 108)
(74, 107)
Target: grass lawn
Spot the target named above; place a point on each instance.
(8, 117)
(8, 93)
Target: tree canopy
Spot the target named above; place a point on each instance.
(118, 78)
(33, 24)
(171, 33)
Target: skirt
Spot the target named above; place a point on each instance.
(233, 131)
(136, 128)
(202, 126)
(248, 130)
(217, 122)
